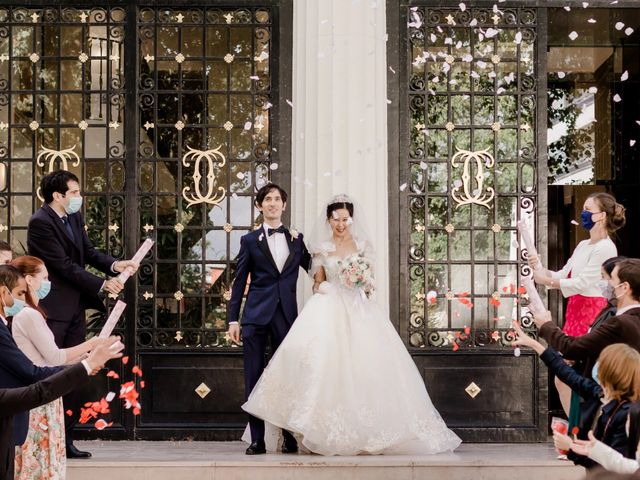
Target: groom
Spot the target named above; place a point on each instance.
(271, 256)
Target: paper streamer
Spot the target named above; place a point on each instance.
(137, 258)
(525, 234)
(113, 319)
(535, 302)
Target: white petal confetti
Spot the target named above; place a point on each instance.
(491, 32)
(273, 166)
(624, 76)
(403, 187)
(561, 74)
(473, 22)
(619, 25)
(290, 103)
(632, 143)
(585, 4)
(240, 176)
(423, 165)
(568, 9)
(628, 31)
(573, 35)
(592, 20)
(247, 126)
(463, 7)
(254, 77)
(593, 90)
(518, 38)
(433, 37)
(516, 352)
(617, 98)
(110, 396)
(573, 222)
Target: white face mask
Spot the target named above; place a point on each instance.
(606, 289)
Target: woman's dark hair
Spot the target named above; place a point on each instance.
(611, 263)
(56, 181)
(615, 212)
(267, 189)
(9, 276)
(634, 430)
(339, 205)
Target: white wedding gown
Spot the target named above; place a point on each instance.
(343, 382)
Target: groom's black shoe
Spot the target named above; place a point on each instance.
(256, 448)
(289, 445)
(73, 452)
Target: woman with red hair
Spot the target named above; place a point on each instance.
(43, 455)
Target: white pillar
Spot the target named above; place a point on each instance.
(339, 133)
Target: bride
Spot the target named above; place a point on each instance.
(342, 380)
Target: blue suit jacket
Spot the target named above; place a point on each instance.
(73, 289)
(16, 370)
(268, 286)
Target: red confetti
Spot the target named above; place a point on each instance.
(522, 290)
(112, 374)
(125, 360)
(575, 430)
(101, 424)
(504, 289)
(467, 330)
(433, 300)
(455, 346)
(512, 288)
(136, 369)
(69, 412)
(136, 411)
(141, 383)
(494, 301)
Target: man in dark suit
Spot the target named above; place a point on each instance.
(56, 234)
(624, 327)
(271, 256)
(16, 370)
(15, 401)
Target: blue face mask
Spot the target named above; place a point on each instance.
(43, 291)
(587, 221)
(75, 204)
(14, 309)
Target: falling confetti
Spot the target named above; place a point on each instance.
(593, 90)
(518, 38)
(628, 31)
(290, 103)
(403, 187)
(110, 396)
(423, 165)
(632, 143)
(516, 352)
(561, 74)
(568, 9)
(125, 360)
(248, 125)
(617, 98)
(491, 32)
(463, 7)
(592, 20)
(240, 175)
(574, 222)
(624, 76)
(619, 26)
(573, 35)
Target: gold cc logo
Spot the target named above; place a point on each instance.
(478, 195)
(212, 157)
(62, 157)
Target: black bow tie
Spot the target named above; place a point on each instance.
(280, 229)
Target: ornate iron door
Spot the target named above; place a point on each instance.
(468, 173)
(168, 116)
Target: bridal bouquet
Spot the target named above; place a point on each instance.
(356, 272)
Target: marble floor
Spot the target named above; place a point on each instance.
(226, 460)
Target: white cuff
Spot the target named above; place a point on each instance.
(86, 366)
(233, 323)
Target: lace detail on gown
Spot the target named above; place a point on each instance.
(344, 383)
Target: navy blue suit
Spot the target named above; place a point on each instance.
(16, 370)
(271, 306)
(73, 289)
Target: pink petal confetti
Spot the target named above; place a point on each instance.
(617, 98)
(624, 76)
(248, 125)
(573, 35)
(628, 31)
(473, 22)
(619, 26)
(593, 90)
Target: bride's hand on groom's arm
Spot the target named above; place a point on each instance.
(321, 287)
(234, 333)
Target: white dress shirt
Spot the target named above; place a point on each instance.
(278, 246)
(622, 310)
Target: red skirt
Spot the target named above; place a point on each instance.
(581, 312)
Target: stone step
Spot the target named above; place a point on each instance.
(226, 460)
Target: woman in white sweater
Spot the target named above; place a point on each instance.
(42, 456)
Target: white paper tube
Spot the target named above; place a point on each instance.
(113, 319)
(528, 242)
(137, 258)
(535, 302)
